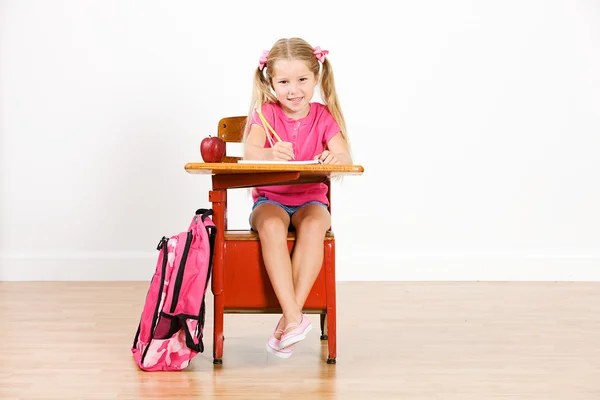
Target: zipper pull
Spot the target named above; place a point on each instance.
(161, 243)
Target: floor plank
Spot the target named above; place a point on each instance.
(70, 340)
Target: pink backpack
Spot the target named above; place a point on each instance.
(170, 331)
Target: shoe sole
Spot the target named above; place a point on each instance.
(276, 353)
(293, 340)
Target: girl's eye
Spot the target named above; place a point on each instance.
(283, 82)
(303, 79)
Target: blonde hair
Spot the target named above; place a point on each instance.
(295, 49)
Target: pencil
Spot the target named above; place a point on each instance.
(269, 126)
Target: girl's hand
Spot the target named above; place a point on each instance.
(328, 157)
(283, 151)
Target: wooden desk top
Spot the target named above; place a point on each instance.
(303, 169)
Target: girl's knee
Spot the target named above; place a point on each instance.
(314, 225)
(269, 219)
(271, 226)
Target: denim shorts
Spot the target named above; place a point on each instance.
(289, 209)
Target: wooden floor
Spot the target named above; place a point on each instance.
(396, 341)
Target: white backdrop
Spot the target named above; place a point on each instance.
(478, 124)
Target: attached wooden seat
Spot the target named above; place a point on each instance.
(252, 235)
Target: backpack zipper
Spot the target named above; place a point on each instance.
(179, 279)
(162, 245)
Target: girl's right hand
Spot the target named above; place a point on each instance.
(283, 151)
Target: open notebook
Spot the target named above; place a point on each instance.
(278, 162)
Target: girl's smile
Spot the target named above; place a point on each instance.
(294, 86)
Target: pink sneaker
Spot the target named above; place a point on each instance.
(296, 334)
(274, 348)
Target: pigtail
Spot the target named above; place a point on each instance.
(261, 94)
(329, 95)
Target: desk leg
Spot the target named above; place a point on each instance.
(330, 284)
(218, 198)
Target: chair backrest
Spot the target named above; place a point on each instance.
(231, 129)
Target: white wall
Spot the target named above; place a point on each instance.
(477, 123)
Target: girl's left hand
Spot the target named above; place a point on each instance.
(328, 157)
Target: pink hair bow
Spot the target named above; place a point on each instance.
(263, 59)
(320, 54)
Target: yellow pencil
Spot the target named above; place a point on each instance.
(269, 126)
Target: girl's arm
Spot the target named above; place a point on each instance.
(337, 151)
(254, 148)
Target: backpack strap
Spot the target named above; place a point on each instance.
(204, 212)
(189, 340)
(212, 236)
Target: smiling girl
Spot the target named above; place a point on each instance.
(284, 85)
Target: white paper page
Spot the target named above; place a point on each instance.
(278, 162)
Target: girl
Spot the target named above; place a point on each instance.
(284, 84)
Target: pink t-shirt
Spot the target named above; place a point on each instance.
(309, 136)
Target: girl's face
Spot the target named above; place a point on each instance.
(294, 86)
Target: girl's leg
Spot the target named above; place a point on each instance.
(272, 224)
(311, 223)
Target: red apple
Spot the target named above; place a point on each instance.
(212, 149)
